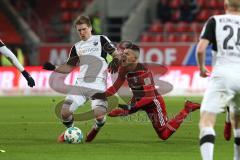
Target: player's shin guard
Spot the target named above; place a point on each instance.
(207, 140)
(236, 144)
(68, 122)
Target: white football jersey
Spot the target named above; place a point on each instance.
(91, 55)
(223, 31)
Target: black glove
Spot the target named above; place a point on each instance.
(113, 65)
(49, 66)
(29, 79)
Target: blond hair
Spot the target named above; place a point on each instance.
(235, 4)
(83, 20)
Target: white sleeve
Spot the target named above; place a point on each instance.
(8, 53)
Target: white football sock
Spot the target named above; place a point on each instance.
(236, 133)
(207, 138)
(227, 115)
(99, 124)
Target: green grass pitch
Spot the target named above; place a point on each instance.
(29, 128)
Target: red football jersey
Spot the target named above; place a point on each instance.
(139, 80)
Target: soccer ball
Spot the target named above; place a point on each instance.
(73, 135)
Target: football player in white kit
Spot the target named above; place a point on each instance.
(90, 54)
(13, 59)
(223, 32)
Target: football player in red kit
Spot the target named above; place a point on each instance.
(145, 95)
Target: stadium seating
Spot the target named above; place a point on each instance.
(175, 3)
(64, 4)
(172, 38)
(169, 27)
(156, 27)
(76, 5)
(66, 17)
(187, 38)
(183, 27)
(202, 3)
(8, 32)
(67, 28)
(203, 15)
(70, 5)
(175, 30)
(175, 16)
(158, 38)
(220, 5)
(146, 37)
(213, 4)
(55, 19)
(196, 27)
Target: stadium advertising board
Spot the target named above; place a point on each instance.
(175, 54)
(185, 80)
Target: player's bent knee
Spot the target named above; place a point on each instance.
(162, 136)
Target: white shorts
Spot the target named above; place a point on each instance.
(223, 91)
(84, 93)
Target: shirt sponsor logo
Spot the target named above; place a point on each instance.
(95, 43)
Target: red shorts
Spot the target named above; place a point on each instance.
(156, 111)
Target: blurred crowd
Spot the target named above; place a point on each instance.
(188, 10)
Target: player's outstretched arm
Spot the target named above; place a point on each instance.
(65, 68)
(111, 90)
(13, 59)
(115, 87)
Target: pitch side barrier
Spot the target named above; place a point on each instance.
(184, 79)
(168, 54)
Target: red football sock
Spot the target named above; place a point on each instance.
(177, 121)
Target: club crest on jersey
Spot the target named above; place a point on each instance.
(147, 81)
(95, 43)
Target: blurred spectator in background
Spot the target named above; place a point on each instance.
(96, 23)
(20, 4)
(13, 59)
(188, 10)
(164, 10)
(19, 55)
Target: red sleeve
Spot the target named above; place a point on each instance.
(117, 84)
